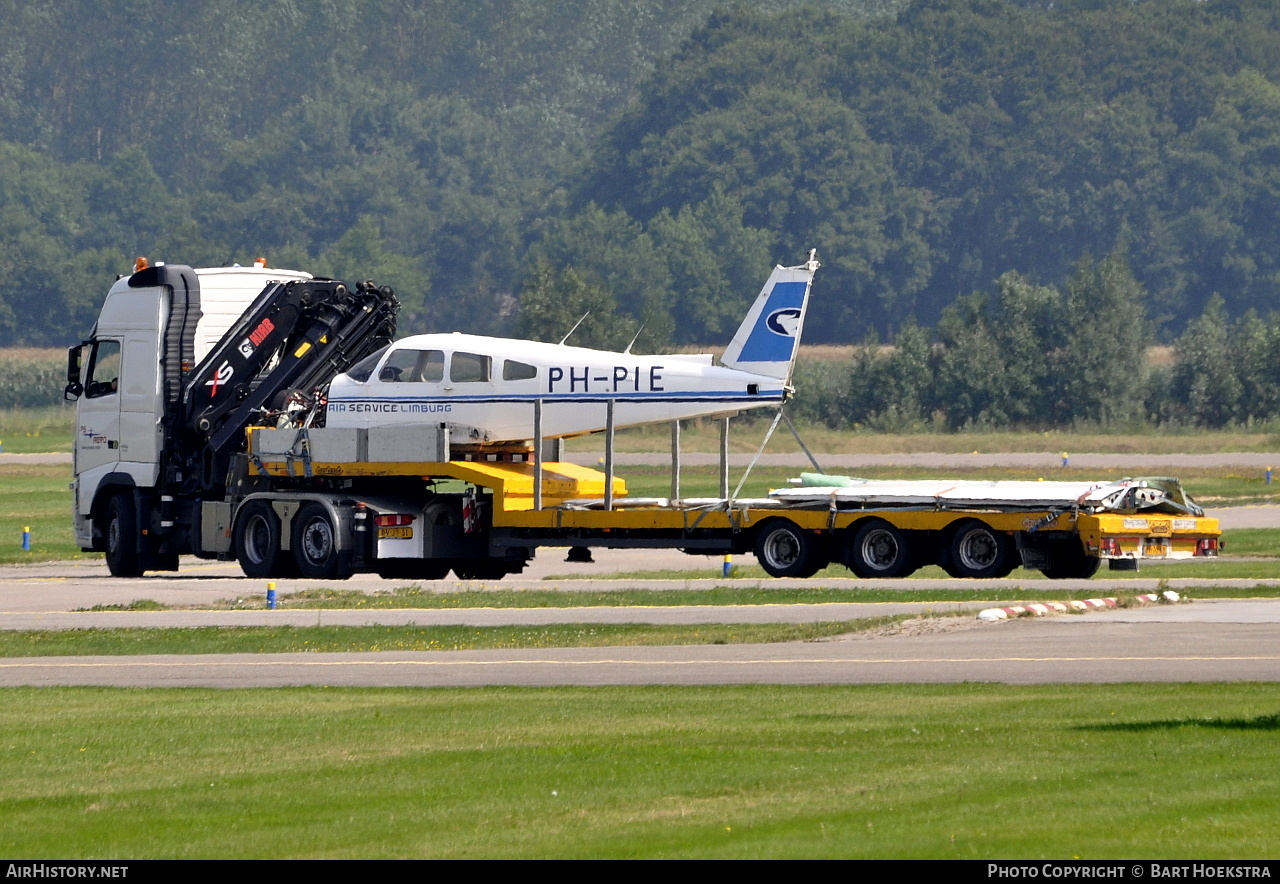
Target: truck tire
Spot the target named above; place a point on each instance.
(257, 542)
(1069, 562)
(976, 550)
(878, 549)
(786, 550)
(315, 544)
(121, 537)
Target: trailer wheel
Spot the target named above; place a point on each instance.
(785, 550)
(978, 550)
(257, 542)
(879, 549)
(121, 532)
(1069, 562)
(315, 544)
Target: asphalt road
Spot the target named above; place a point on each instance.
(1092, 648)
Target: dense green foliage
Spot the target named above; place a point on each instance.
(1047, 357)
(31, 378)
(419, 143)
(927, 155)
(508, 166)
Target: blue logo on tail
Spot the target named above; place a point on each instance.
(774, 337)
(785, 322)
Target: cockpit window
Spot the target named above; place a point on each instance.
(401, 366)
(363, 369)
(470, 368)
(517, 371)
(407, 365)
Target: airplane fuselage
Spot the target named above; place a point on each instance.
(492, 384)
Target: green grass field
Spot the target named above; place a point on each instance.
(964, 771)
(747, 432)
(50, 429)
(25, 430)
(38, 497)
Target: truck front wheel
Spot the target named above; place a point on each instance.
(258, 542)
(786, 550)
(977, 550)
(315, 544)
(121, 530)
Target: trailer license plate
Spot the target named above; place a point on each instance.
(405, 533)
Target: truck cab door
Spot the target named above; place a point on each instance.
(98, 407)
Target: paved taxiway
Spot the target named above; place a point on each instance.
(1091, 648)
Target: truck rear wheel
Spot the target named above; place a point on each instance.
(976, 550)
(878, 549)
(257, 542)
(1069, 562)
(121, 537)
(315, 544)
(786, 550)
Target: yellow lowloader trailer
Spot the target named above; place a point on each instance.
(329, 502)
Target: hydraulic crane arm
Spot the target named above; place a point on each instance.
(295, 335)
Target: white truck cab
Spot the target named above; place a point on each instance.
(118, 376)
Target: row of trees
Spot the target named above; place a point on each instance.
(1044, 357)
(425, 144)
(647, 160)
(928, 154)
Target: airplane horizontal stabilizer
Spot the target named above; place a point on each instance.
(767, 341)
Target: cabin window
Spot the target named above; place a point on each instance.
(517, 371)
(104, 373)
(363, 369)
(470, 368)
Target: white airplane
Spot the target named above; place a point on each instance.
(491, 384)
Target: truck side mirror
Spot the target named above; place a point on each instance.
(74, 388)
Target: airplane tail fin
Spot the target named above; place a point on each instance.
(768, 339)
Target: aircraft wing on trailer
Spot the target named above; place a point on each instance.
(491, 384)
